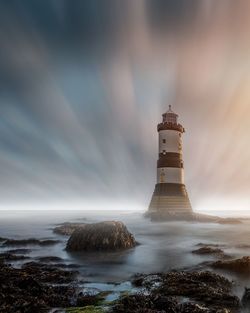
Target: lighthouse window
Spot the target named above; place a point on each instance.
(164, 140)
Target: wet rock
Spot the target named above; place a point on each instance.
(61, 265)
(147, 281)
(12, 257)
(208, 250)
(140, 302)
(29, 282)
(22, 290)
(19, 251)
(204, 218)
(241, 265)
(189, 307)
(67, 229)
(49, 274)
(229, 220)
(104, 236)
(138, 280)
(206, 287)
(163, 303)
(47, 259)
(86, 299)
(37, 287)
(245, 301)
(202, 244)
(202, 291)
(31, 241)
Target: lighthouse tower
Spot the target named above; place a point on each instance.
(170, 198)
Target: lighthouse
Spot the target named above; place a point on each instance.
(170, 198)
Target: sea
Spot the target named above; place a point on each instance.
(163, 246)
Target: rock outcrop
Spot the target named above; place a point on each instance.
(204, 292)
(40, 288)
(30, 241)
(241, 265)
(191, 217)
(207, 250)
(67, 229)
(103, 236)
(35, 288)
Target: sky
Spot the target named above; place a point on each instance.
(83, 84)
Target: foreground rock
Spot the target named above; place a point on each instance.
(38, 288)
(204, 292)
(103, 236)
(34, 288)
(241, 265)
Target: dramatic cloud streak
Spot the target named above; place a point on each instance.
(83, 85)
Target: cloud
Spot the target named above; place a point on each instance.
(83, 85)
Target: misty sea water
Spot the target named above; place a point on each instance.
(162, 246)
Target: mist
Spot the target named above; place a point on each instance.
(83, 85)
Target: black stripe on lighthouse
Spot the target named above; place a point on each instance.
(170, 159)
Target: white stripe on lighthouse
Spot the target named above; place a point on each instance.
(170, 141)
(171, 175)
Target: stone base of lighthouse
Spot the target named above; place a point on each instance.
(170, 201)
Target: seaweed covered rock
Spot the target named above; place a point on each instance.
(203, 292)
(141, 303)
(34, 288)
(241, 265)
(103, 236)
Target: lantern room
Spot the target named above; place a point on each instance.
(170, 117)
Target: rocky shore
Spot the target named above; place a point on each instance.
(49, 286)
(46, 284)
(40, 287)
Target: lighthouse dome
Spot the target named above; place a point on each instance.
(170, 116)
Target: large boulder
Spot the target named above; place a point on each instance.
(103, 236)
